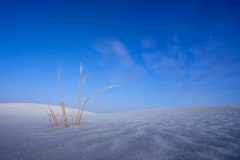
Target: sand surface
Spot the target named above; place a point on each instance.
(211, 133)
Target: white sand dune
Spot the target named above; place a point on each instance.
(31, 113)
(183, 133)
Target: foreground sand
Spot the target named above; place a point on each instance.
(184, 133)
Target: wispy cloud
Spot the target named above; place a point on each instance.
(212, 66)
(114, 48)
(117, 58)
(160, 63)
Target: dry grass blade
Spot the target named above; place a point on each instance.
(36, 107)
(52, 113)
(64, 114)
(100, 91)
(80, 88)
(79, 117)
(60, 99)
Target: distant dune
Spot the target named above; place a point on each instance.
(208, 133)
(30, 109)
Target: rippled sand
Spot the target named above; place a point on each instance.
(182, 133)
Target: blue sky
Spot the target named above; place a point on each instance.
(179, 53)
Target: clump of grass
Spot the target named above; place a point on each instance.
(79, 92)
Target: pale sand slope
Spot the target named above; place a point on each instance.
(184, 133)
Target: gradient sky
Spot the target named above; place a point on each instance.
(178, 53)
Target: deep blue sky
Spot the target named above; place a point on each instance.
(178, 53)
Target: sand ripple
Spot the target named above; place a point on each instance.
(187, 133)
